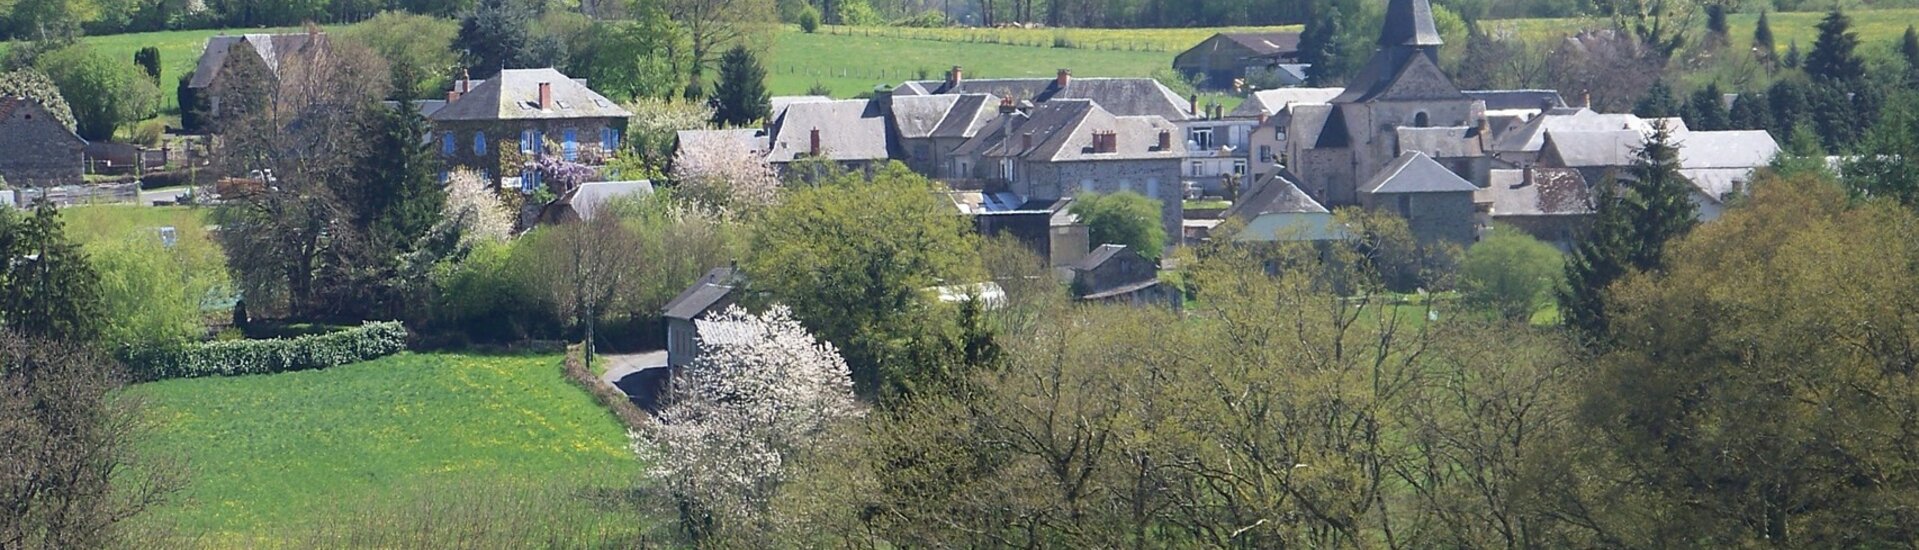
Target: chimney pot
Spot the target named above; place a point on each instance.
(1065, 77)
(452, 96)
(466, 81)
(814, 149)
(1586, 99)
(957, 75)
(1165, 140)
(546, 96)
(1192, 104)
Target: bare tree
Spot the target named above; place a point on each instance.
(70, 473)
(597, 263)
(715, 25)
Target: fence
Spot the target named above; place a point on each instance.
(69, 195)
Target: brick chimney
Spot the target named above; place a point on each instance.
(1263, 117)
(1065, 77)
(814, 149)
(1006, 105)
(452, 95)
(1105, 142)
(1192, 104)
(546, 96)
(1165, 140)
(1586, 99)
(466, 81)
(954, 77)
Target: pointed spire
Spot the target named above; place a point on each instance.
(1409, 23)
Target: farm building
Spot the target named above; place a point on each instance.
(1232, 55)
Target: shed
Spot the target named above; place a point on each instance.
(713, 292)
(1226, 56)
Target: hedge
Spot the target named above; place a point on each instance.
(237, 357)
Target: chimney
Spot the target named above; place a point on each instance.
(1526, 178)
(546, 96)
(1192, 104)
(1065, 77)
(1105, 142)
(1006, 105)
(452, 96)
(954, 78)
(814, 149)
(1586, 99)
(1165, 140)
(1263, 118)
(466, 81)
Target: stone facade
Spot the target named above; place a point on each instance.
(1157, 179)
(40, 151)
(1432, 217)
(505, 148)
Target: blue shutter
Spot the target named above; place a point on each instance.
(479, 144)
(570, 145)
(609, 140)
(526, 141)
(446, 144)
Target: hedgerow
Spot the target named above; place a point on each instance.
(237, 357)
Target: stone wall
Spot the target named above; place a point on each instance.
(1156, 178)
(505, 135)
(39, 151)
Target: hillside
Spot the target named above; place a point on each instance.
(280, 459)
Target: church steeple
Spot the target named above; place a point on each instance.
(1409, 23)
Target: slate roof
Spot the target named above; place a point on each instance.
(1271, 102)
(753, 139)
(1409, 23)
(1532, 136)
(1718, 183)
(1062, 131)
(1500, 100)
(850, 130)
(1726, 149)
(1441, 142)
(271, 47)
(589, 197)
(515, 95)
(11, 104)
(779, 103)
(1265, 43)
(1580, 149)
(1414, 172)
(696, 300)
(1120, 96)
(1099, 256)
(1553, 192)
(943, 116)
(1275, 195)
(1309, 120)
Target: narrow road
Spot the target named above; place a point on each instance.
(641, 376)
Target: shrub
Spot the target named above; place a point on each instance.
(237, 357)
(810, 19)
(1510, 273)
(148, 133)
(1126, 218)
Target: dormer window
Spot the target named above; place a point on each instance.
(1420, 120)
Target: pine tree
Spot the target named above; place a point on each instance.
(1792, 55)
(1762, 40)
(1598, 260)
(1716, 21)
(495, 35)
(1749, 112)
(1658, 102)
(1833, 57)
(1661, 207)
(1635, 219)
(1706, 110)
(47, 287)
(1319, 47)
(741, 97)
(1790, 107)
(1909, 49)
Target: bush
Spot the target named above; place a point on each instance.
(810, 19)
(1510, 273)
(926, 20)
(237, 357)
(1126, 218)
(148, 133)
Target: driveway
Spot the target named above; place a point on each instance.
(641, 376)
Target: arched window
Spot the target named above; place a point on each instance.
(479, 144)
(1420, 120)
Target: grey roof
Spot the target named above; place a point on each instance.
(1552, 192)
(696, 300)
(1414, 172)
(1409, 23)
(1441, 142)
(1120, 96)
(1532, 136)
(1062, 131)
(1726, 149)
(1274, 194)
(1501, 100)
(943, 116)
(1265, 43)
(515, 95)
(1099, 256)
(1578, 149)
(1308, 121)
(753, 139)
(1271, 102)
(1718, 183)
(971, 113)
(270, 47)
(1388, 65)
(850, 130)
(779, 103)
(589, 197)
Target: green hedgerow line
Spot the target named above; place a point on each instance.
(238, 357)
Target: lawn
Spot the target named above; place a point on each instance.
(94, 223)
(276, 459)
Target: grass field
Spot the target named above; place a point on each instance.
(276, 459)
(93, 223)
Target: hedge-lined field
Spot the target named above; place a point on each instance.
(276, 460)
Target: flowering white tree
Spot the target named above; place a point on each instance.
(762, 392)
(474, 210)
(725, 173)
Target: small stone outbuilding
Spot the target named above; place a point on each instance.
(40, 150)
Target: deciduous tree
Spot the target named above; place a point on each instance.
(105, 93)
(1126, 218)
(1511, 273)
(724, 174)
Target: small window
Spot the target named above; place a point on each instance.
(1406, 206)
(1239, 167)
(446, 144)
(1421, 120)
(526, 141)
(1152, 187)
(479, 144)
(1265, 153)
(609, 139)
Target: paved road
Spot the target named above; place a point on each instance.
(170, 194)
(641, 376)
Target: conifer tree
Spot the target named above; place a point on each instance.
(1599, 259)
(1762, 40)
(1716, 21)
(1909, 49)
(47, 287)
(1658, 102)
(1749, 112)
(741, 97)
(1833, 57)
(1706, 110)
(1791, 60)
(1319, 47)
(1661, 205)
(1635, 220)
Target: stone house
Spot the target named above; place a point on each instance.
(1047, 227)
(715, 291)
(930, 127)
(238, 70)
(1272, 113)
(1119, 96)
(498, 126)
(1436, 203)
(853, 133)
(1062, 148)
(1276, 210)
(40, 150)
(1225, 57)
(1554, 205)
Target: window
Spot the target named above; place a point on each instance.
(570, 145)
(1202, 137)
(1239, 167)
(609, 139)
(1279, 133)
(1006, 169)
(526, 141)
(446, 144)
(1152, 187)
(1265, 153)
(529, 181)
(1086, 185)
(479, 144)
(1406, 206)
(1195, 168)
(1421, 120)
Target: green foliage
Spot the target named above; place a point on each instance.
(1126, 218)
(239, 357)
(1511, 273)
(854, 258)
(417, 48)
(47, 287)
(35, 85)
(1658, 102)
(809, 19)
(1706, 110)
(193, 110)
(148, 133)
(1909, 52)
(1832, 58)
(634, 58)
(1887, 165)
(105, 93)
(494, 296)
(148, 59)
(155, 295)
(391, 201)
(494, 35)
(741, 96)
(1319, 46)
(1634, 223)
(1762, 38)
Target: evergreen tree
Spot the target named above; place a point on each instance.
(1833, 57)
(391, 201)
(1319, 47)
(148, 58)
(1888, 161)
(47, 287)
(1790, 107)
(1658, 102)
(1635, 220)
(1749, 112)
(1909, 49)
(1716, 21)
(741, 97)
(1706, 110)
(1762, 40)
(1791, 60)
(494, 35)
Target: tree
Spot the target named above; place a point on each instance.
(1887, 165)
(1662, 208)
(1762, 40)
(741, 97)
(654, 129)
(762, 395)
(1650, 207)
(384, 211)
(713, 26)
(1706, 110)
(1126, 218)
(33, 84)
(597, 262)
(1793, 58)
(153, 293)
(1832, 58)
(643, 57)
(418, 50)
(1511, 273)
(47, 287)
(1817, 436)
(473, 210)
(1658, 102)
(193, 108)
(1909, 50)
(105, 93)
(75, 472)
(1749, 112)
(724, 174)
(1319, 47)
(854, 258)
(148, 58)
(495, 35)
(1716, 21)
